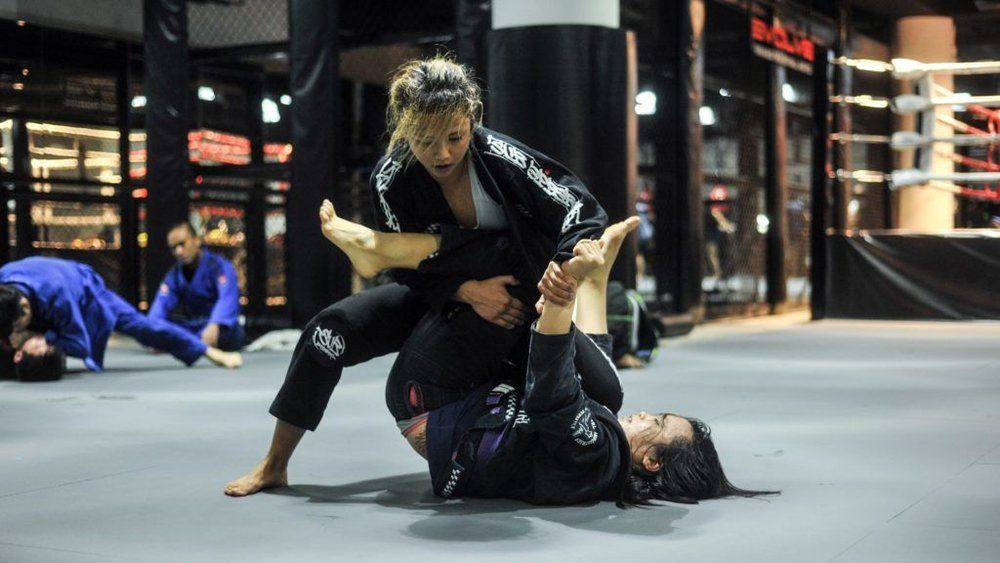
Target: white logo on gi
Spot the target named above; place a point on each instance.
(383, 179)
(557, 192)
(328, 342)
(573, 217)
(522, 418)
(584, 429)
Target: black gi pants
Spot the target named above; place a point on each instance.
(443, 353)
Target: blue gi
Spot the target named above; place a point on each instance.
(79, 313)
(212, 296)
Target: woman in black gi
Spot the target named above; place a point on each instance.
(562, 443)
(468, 182)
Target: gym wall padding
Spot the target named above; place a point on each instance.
(472, 24)
(317, 273)
(165, 42)
(914, 276)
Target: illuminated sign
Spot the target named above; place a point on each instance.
(778, 44)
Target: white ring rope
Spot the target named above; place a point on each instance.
(960, 126)
(862, 176)
(905, 140)
(864, 101)
(913, 177)
(907, 104)
(909, 69)
(859, 138)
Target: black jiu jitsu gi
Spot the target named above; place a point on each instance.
(559, 444)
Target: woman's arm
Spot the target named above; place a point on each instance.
(557, 406)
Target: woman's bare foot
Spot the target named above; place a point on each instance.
(628, 361)
(357, 241)
(611, 242)
(264, 476)
(229, 360)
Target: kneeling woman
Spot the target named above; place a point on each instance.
(562, 442)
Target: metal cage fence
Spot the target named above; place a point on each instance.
(735, 220)
(241, 22)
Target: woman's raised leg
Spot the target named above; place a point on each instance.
(371, 251)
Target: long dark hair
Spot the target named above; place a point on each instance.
(690, 471)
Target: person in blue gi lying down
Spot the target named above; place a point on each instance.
(51, 307)
(556, 438)
(200, 292)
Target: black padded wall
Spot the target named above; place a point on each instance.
(317, 274)
(914, 276)
(165, 42)
(563, 90)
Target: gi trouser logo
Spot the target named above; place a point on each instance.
(328, 342)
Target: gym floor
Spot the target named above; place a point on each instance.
(883, 437)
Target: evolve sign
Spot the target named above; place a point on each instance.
(777, 44)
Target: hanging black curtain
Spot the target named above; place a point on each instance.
(165, 42)
(317, 274)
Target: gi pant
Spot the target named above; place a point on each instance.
(443, 352)
(161, 335)
(231, 338)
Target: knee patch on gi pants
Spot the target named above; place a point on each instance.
(327, 340)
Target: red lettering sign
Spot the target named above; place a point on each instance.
(781, 39)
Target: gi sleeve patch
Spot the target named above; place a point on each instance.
(223, 280)
(584, 429)
(164, 289)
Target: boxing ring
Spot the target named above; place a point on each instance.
(897, 274)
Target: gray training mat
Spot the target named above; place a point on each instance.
(884, 437)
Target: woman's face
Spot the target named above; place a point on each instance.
(645, 430)
(443, 154)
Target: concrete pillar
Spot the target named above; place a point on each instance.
(928, 39)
